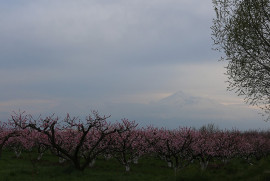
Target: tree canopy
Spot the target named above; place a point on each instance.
(241, 30)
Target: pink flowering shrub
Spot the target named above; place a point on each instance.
(81, 142)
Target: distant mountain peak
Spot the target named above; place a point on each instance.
(180, 98)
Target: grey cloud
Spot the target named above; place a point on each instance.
(101, 82)
(145, 33)
(105, 54)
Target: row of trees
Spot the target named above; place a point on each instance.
(81, 142)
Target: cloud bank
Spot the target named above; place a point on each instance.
(120, 57)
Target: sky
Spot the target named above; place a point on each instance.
(149, 61)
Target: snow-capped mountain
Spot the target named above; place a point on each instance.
(180, 98)
(184, 100)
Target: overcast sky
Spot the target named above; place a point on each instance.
(127, 58)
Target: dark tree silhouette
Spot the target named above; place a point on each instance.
(79, 142)
(241, 30)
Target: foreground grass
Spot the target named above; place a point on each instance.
(25, 168)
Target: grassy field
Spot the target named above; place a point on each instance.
(25, 168)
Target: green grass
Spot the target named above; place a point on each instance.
(148, 169)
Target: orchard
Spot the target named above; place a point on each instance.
(80, 142)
